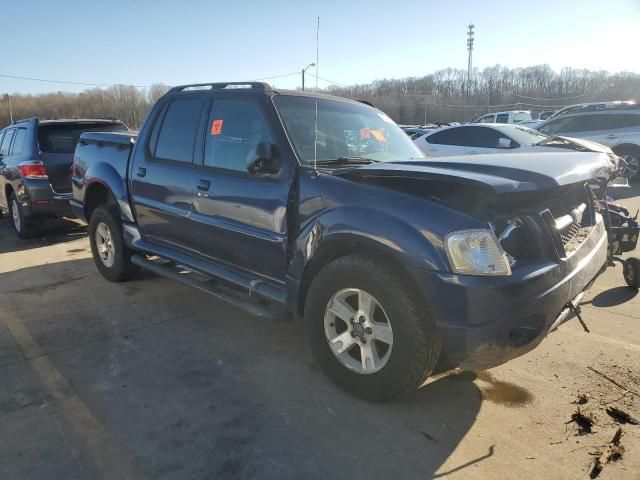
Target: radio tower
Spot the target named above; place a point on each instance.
(470, 49)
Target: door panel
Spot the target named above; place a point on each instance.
(240, 218)
(162, 174)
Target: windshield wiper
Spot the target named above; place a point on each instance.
(345, 161)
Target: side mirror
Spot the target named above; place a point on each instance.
(262, 160)
(504, 142)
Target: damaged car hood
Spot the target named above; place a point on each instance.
(503, 173)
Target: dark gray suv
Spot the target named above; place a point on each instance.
(35, 168)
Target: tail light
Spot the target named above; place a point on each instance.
(34, 169)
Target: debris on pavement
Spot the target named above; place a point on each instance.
(611, 452)
(621, 416)
(616, 383)
(581, 399)
(584, 421)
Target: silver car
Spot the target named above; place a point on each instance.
(617, 127)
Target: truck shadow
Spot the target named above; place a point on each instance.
(193, 388)
(58, 230)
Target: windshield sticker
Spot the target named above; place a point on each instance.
(216, 127)
(365, 133)
(378, 135)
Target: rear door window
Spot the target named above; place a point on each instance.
(235, 127)
(450, 136)
(502, 118)
(18, 142)
(178, 131)
(6, 142)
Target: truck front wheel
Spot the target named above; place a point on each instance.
(368, 331)
(110, 253)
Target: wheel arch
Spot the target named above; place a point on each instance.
(332, 250)
(104, 184)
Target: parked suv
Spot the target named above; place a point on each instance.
(513, 116)
(279, 201)
(35, 168)
(616, 125)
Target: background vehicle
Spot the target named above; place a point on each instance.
(498, 138)
(616, 125)
(321, 206)
(35, 168)
(514, 116)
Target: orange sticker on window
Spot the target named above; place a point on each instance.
(378, 135)
(216, 127)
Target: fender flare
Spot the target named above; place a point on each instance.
(108, 177)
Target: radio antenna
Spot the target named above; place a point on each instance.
(317, 43)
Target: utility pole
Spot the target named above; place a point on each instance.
(8, 97)
(470, 34)
(304, 70)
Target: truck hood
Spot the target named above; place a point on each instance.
(503, 173)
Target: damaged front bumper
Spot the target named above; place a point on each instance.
(485, 322)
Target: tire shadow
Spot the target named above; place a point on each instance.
(613, 296)
(53, 231)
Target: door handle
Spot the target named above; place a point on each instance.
(472, 153)
(203, 184)
(612, 136)
(141, 172)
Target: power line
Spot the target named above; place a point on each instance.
(86, 84)
(277, 76)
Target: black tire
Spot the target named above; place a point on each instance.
(416, 343)
(632, 155)
(119, 268)
(25, 227)
(631, 272)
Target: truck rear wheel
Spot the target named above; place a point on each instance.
(110, 253)
(367, 331)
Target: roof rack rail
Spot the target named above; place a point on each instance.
(23, 120)
(265, 87)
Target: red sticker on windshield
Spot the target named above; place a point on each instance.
(365, 133)
(216, 127)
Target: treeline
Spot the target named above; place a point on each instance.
(127, 103)
(447, 95)
(443, 96)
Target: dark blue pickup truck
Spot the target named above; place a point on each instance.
(285, 202)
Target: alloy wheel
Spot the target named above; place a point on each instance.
(358, 331)
(104, 244)
(15, 214)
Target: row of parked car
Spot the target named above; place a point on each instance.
(610, 127)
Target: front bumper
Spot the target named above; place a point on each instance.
(486, 321)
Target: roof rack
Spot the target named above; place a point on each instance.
(265, 87)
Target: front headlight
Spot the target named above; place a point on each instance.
(476, 252)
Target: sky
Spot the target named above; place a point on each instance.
(142, 42)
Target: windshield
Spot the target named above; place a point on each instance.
(62, 138)
(524, 135)
(344, 129)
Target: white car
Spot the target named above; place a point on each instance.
(498, 138)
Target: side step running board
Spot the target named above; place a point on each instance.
(229, 294)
